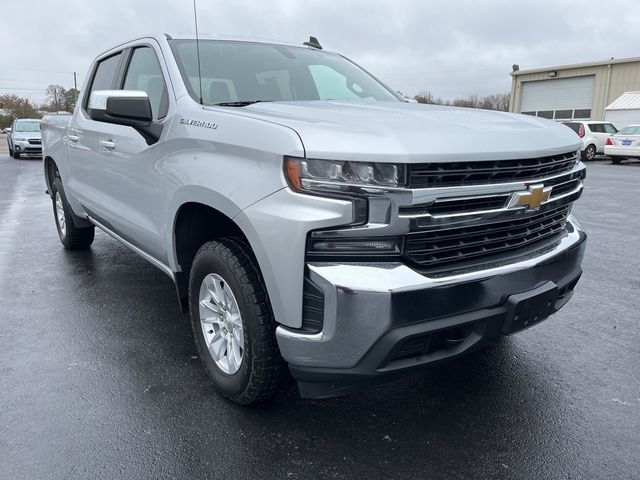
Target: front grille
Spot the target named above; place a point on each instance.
(450, 246)
(565, 187)
(424, 175)
(562, 184)
(456, 205)
(35, 141)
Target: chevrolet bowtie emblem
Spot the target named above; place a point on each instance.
(532, 198)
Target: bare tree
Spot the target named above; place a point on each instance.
(426, 96)
(470, 102)
(56, 94)
(498, 101)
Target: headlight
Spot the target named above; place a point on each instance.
(310, 174)
(20, 139)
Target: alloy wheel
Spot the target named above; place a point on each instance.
(221, 323)
(62, 224)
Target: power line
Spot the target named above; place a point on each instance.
(37, 70)
(22, 89)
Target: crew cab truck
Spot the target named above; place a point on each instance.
(310, 216)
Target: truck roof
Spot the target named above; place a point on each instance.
(208, 36)
(230, 38)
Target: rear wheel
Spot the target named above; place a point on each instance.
(589, 153)
(232, 322)
(72, 237)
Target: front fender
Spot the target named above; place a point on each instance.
(193, 194)
(277, 228)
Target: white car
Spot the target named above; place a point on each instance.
(594, 136)
(624, 144)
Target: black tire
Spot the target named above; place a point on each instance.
(262, 369)
(10, 150)
(616, 160)
(589, 153)
(16, 155)
(73, 238)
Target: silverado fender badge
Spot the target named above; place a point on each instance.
(198, 123)
(532, 198)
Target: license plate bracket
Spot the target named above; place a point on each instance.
(528, 308)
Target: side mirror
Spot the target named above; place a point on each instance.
(121, 107)
(7, 130)
(130, 108)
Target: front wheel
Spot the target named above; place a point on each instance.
(232, 322)
(16, 155)
(72, 237)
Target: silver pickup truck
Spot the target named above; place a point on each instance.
(310, 216)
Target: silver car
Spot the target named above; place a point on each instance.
(24, 138)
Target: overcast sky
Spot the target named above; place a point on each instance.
(451, 48)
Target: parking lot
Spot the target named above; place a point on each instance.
(100, 376)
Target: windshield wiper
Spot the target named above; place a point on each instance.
(242, 103)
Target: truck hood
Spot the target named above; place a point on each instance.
(411, 132)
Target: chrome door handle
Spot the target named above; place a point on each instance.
(73, 138)
(109, 145)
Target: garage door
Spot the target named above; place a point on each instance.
(561, 98)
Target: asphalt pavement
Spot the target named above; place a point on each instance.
(99, 376)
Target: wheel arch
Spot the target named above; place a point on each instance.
(50, 173)
(195, 223)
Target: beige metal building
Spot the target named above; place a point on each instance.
(580, 91)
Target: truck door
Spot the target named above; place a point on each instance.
(82, 139)
(131, 190)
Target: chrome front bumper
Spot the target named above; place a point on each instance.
(369, 308)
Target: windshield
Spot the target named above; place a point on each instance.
(27, 126)
(632, 130)
(248, 72)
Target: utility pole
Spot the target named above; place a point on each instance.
(75, 87)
